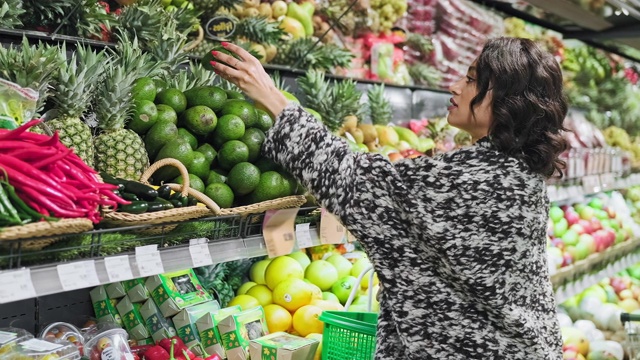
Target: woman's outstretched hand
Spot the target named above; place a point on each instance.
(249, 75)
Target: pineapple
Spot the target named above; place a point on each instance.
(210, 7)
(306, 53)
(10, 13)
(31, 66)
(380, 109)
(259, 30)
(118, 151)
(143, 20)
(91, 19)
(76, 84)
(425, 74)
(44, 15)
(197, 76)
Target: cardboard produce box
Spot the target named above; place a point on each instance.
(104, 307)
(136, 290)
(159, 327)
(116, 290)
(283, 346)
(208, 329)
(175, 291)
(238, 330)
(185, 323)
(132, 319)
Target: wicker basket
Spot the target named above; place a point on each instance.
(44, 233)
(112, 218)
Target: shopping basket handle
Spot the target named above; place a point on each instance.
(626, 317)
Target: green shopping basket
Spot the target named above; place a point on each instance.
(348, 335)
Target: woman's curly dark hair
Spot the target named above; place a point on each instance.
(528, 103)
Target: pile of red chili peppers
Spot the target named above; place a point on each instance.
(50, 178)
(169, 349)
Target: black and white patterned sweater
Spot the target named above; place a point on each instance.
(458, 242)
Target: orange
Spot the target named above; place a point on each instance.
(306, 320)
(278, 318)
(245, 301)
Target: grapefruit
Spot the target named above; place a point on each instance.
(359, 267)
(322, 274)
(246, 302)
(242, 290)
(327, 305)
(342, 288)
(316, 293)
(306, 320)
(329, 296)
(256, 273)
(292, 294)
(278, 318)
(341, 264)
(302, 258)
(280, 269)
(262, 294)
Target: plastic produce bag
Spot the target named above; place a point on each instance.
(17, 104)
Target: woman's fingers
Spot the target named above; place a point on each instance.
(226, 71)
(232, 61)
(244, 54)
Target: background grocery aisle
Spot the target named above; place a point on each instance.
(127, 85)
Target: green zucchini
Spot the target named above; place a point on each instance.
(142, 191)
(157, 206)
(129, 197)
(164, 192)
(136, 207)
(192, 201)
(176, 203)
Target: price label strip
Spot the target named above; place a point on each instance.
(279, 231)
(16, 285)
(78, 275)
(303, 236)
(149, 260)
(200, 255)
(331, 230)
(118, 268)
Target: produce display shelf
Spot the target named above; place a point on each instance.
(577, 189)
(574, 279)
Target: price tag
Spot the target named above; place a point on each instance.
(78, 275)
(16, 285)
(331, 230)
(118, 268)
(303, 236)
(279, 231)
(39, 345)
(149, 260)
(200, 255)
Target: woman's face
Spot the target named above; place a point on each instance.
(460, 115)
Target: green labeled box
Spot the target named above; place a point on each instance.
(207, 327)
(116, 290)
(132, 319)
(175, 291)
(238, 330)
(185, 323)
(104, 307)
(283, 346)
(158, 326)
(136, 290)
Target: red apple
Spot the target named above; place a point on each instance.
(567, 259)
(572, 217)
(586, 225)
(618, 285)
(611, 236)
(577, 228)
(596, 224)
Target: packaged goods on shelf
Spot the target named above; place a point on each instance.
(175, 291)
(104, 307)
(238, 330)
(159, 327)
(9, 339)
(185, 322)
(132, 319)
(116, 290)
(108, 343)
(136, 290)
(283, 346)
(207, 326)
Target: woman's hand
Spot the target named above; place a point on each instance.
(249, 75)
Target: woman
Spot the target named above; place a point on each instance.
(458, 241)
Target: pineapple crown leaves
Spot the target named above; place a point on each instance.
(196, 76)
(420, 43)
(425, 74)
(144, 20)
(278, 81)
(259, 30)
(10, 13)
(31, 66)
(211, 7)
(44, 13)
(333, 101)
(88, 19)
(379, 107)
(305, 54)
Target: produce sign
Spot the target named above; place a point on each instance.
(220, 27)
(45, 179)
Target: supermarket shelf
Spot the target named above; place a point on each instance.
(46, 280)
(577, 190)
(574, 279)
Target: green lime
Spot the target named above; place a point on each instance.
(314, 113)
(212, 97)
(232, 153)
(291, 184)
(265, 122)
(144, 88)
(253, 138)
(232, 94)
(189, 137)
(145, 115)
(174, 98)
(243, 178)
(216, 140)
(160, 134)
(216, 176)
(194, 182)
(208, 151)
(178, 149)
(160, 85)
(265, 165)
(271, 186)
(230, 127)
(199, 166)
(200, 120)
(242, 109)
(171, 8)
(166, 113)
(220, 193)
(165, 3)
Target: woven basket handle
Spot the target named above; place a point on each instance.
(184, 188)
(215, 209)
(194, 44)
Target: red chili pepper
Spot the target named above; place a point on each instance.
(47, 203)
(156, 353)
(20, 130)
(28, 174)
(49, 160)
